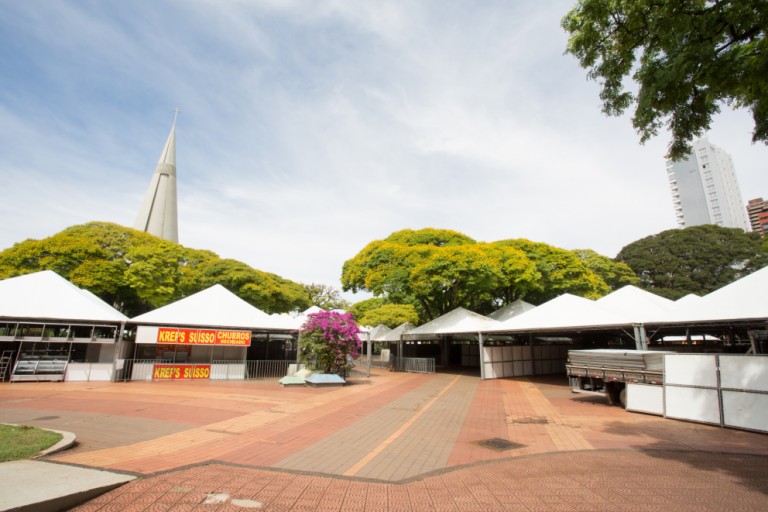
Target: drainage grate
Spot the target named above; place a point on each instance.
(528, 420)
(498, 444)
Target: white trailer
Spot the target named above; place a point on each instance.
(607, 372)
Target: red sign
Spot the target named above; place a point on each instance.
(181, 371)
(203, 337)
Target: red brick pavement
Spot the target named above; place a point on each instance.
(233, 445)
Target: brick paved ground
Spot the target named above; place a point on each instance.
(395, 441)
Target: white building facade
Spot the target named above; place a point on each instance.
(705, 189)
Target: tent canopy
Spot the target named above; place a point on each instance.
(639, 305)
(511, 310)
(458, 321)
(377, 332)
(562, 313)
(395, 334)
(48, 296)
(744, 299)
(213, 307)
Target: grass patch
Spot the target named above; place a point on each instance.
(21, 442)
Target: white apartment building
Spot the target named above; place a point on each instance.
(705, 189)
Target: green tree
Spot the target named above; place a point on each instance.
(614, 273)
(360, 308)
(698, 259)
(325, 297)
(390, 315)
(264, 290)
(434, 270)
(136, 271)
(688, 57)
(438, 271)
(560, 271)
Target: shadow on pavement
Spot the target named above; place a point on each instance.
(741, 455)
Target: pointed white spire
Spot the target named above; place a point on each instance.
(158, 214)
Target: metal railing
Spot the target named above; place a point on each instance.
(142, 369)
(268, 369)
(361, 368)
(414, 364)
(252, 370)
(138, 369)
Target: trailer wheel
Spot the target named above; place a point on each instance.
(623, 397)
(612, 391)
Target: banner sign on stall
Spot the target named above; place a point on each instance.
(181, 371)
(203, 337)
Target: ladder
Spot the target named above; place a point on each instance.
(5, 363)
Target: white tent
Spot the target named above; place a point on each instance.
(744, 299)
(458, 321)
(48, 296)
(377, 332)
(638, 305)
(394, 335)
(213, 307)
(511, 310)
(287, 321)
(690, 298)
(565, 312)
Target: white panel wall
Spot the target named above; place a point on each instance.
(645, 398)
(521, 360)
(745, 410)
(724, 389)
(693, 404)
(744, 372)
(691, 370)
(146, 334)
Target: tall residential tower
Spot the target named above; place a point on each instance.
(705, 189)
(158, 215)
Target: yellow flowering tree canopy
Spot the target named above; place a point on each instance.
(136, 272)
(439, 270)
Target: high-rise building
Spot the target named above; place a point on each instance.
(757, 209)
(705, 189)
(158, 214)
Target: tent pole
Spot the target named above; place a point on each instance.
(482, 357)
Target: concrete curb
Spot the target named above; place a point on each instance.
(67, 440)
(34, 485)
(39, 486)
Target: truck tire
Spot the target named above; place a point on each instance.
(615, 393)
(623, 397)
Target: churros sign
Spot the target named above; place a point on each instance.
(203, 337)
(181, 371)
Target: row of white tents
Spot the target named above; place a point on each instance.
(47, 299)
(743, 301)
(47, 296)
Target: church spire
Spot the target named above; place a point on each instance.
(158, 215)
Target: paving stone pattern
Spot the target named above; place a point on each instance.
(394, 441)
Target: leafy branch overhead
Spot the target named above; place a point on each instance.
(687, 57)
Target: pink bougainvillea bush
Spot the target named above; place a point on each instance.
(331, 337)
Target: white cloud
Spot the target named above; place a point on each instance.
(310, 128)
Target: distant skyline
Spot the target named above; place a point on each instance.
(310, 128)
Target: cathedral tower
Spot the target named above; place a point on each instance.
(158, 215)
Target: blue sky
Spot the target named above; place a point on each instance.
(310, 128)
